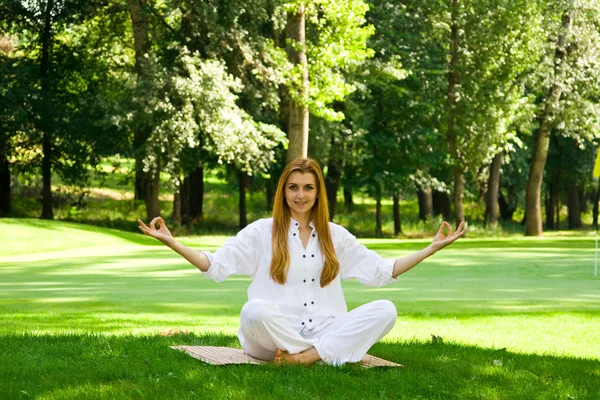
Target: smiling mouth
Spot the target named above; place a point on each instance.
(300, 204)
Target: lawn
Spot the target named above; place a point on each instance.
(83, 309)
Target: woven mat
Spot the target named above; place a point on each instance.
(228, 355)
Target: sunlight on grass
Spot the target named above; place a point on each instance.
(530, 296)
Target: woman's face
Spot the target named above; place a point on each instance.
(300, 194)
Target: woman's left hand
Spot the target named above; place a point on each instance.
(442, 240)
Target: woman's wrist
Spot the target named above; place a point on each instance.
(169, 242)
(431, 250)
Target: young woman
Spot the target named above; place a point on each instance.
(296, 311)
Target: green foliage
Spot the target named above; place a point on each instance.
(579, 115)
(336, 45)
(195, 106)
(60, 101)
(217, 79)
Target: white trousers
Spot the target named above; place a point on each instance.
(264, 329)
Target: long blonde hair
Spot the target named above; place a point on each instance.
(319, 214)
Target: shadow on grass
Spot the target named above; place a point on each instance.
(94, 366)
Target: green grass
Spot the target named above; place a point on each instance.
(83, 307)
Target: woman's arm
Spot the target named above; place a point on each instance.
(162, 233)
(439, 242)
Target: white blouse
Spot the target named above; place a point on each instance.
(301, 298)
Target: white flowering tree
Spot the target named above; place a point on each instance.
(194, 105)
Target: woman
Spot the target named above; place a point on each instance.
(296, 311)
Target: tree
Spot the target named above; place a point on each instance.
(468, 61)
(297, 112)
(143, 184)
(332, 45)
(486, 100)
(57, 101)
(493, 186)
(13, 113)
(214, 47)
(542, 134)
(199, 108)
(569, 80)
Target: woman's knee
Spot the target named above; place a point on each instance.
(257, 310)
(387, 310)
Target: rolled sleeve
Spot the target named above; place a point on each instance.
(364, 265)
(238, 256)
(212, 272)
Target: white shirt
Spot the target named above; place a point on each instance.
(302, 299)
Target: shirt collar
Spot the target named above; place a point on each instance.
(295, 224)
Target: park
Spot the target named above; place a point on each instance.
(418, 112)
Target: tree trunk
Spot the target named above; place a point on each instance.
(192, 196)
(269, 193)
(141, 44)
(47, 212)
(574, 206)
(197, 194)
(378, 227)
(533, 226)
(550, 206)
(441, 204)
(243, 183)
(5, 195)
(186, 215)
(425, 197)
(557, 223)
(348, 201)
(542, 134)
(583, 204)
(152, 204)
(334, 176)
(297, 113)
(397, 221)
(491, 206)
(451, 103)
(141, 177)
(507, 206)
(176, 217)
(459, 211)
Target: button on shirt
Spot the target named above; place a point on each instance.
(302, 299)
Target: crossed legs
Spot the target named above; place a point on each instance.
(266, 333)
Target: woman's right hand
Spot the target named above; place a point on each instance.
(161, 233)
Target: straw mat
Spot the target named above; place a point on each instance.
(228, 355)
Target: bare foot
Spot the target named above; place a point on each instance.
(307, 357)
(173, 332)
(283, 357)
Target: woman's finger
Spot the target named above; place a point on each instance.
(449, 228)
(441, 230)
(154, 221)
